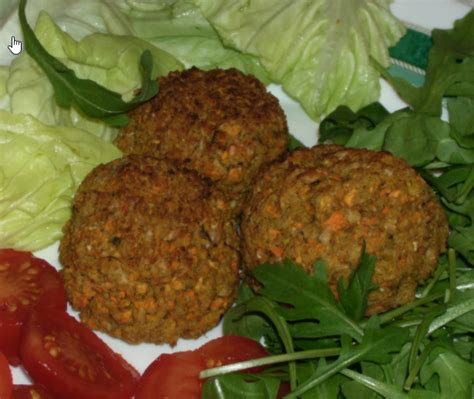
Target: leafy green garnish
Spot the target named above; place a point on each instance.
(241, 386)
(86, 95)
(454, 373)
(338, 126)
(354, 297)
(309, 298)
(397, 352)
(377, 345)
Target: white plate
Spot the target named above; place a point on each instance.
(426, 13)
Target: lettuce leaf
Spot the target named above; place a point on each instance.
(178, 26)
(318, 50)
(78, 18)
(110, 60)
(41, 167)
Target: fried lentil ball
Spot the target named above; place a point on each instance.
(149, 254)
(221, 123)
(324, 202)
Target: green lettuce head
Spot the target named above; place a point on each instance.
(41, 167)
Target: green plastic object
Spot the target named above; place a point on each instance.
(409, 57)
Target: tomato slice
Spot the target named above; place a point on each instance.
(25, 282)
(71, 361)
(6, 382)
(232, 349)
(172, 376)
(176, 375)
(31, 392)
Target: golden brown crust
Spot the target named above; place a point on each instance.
(221, 123)
(150, 254)
(325, 201)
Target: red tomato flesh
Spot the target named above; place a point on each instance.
(71, 361)
(25, 282)
(172, 376)
(31, 392)
(176, 375)
(6, 382)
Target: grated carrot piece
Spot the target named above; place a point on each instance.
(336, 221)
(277, 251)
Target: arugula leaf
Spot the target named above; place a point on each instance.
(378, 345)
(328, 389)
(463, 303)
(239, 321)
(309, 297)
(91, 98)
(355, 390)
(391, 354)
(462, 239)
(237, 386)
(456, 376)
(259, 304)
(391, 391)
(354, 298)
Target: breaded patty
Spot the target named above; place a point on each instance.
(221, 123)
(324, 202)
(149, 254)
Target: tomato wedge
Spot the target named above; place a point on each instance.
(6, 382)
(25, 282)
(232, 349)
(31, 392)
(176, 375)
(172, 376)
(71, 361)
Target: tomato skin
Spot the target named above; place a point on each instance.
(176, 375)
(35, 284)
(71, 361)
(6, 382)
(172, 376)
(31, 392)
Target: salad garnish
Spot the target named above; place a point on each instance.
(88, 96)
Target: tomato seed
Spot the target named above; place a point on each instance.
(54, 352)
